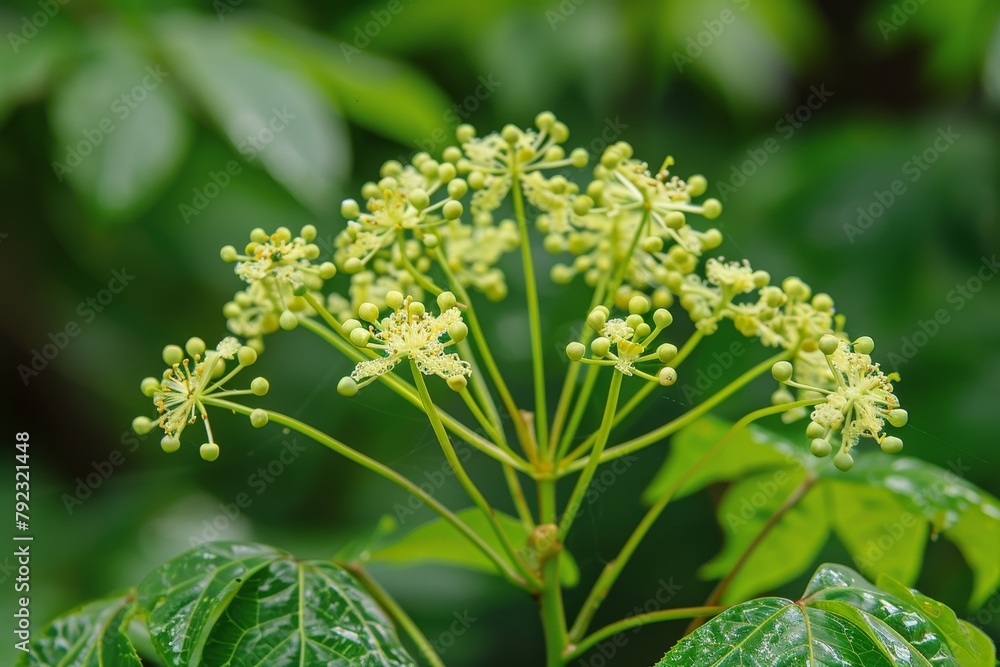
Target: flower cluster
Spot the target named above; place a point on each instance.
(192, 381)
(629, 337)
(857, 399)
(408, 332)
(276, 267)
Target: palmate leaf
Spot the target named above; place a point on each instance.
(89, 636)
(842, 620)
(229, 603)
(883, 510)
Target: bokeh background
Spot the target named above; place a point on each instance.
(116, 118)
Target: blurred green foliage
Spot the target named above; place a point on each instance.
(710, 83)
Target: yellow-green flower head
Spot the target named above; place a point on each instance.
(195, 377)
(409, 332)
(627, 212)
(622, 342)
(473, 251)
(276, 266)
(491, 163)
(710, 300)
(857, 404)
(372, 287)
(408, 200)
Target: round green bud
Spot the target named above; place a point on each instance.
(891, 444)
(553, 154)
(642, 330)
(864, 345)
(559, 132)
(209, 451)
(823, 302)
(327, 270)
(446, 300)
(195, 346)
(452, 210)
(308, 233)
(544, 120)
(674, 220)
(246, 355)
(820, 448)
(416, 309)
(282, 235)
(476, 180)
(353, 265)
(288, 320)
(651, 244)
(638, 304)
(611, 158)
(781, 371)
(457, 188)
(697, 185)
(142, 425)
(600, 346)
(219, 369)
(662, 317)
(170, 445)
(347, 387)
(898, 417)
(149, 386)
(562, 274)
(457, 382)
(299, 290)
(575, 351)
(511, 134)
(458, 331)
(666, 352)
(795, 288)
(711, 208)
(394, 299)
(258, 235)
(258, 418)
(761, 279)
(350, 325)
(368, 312)
(452, 154)
(371, 190)
(419, 199)
(350, 209)
(582, 204)
(260, 386)
(815, 430)
(712, 238)
(360, 337)
(828, 344)
(843, 461)
(554, 243)
(579, 158)
(667, 376)
(228, 253)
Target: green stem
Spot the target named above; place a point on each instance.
(576, 650)
(578, 411)
(395, 612)
(551, 602)
(463, 477)
(410, 394)
(580, 490)
(534, 317)
(672, 427)
(614, 568)
(793, 499)
(386, 472)
(637, 398)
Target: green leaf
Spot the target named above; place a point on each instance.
(841, 620)
(222, 600)
(269, 113)
(29, 65)
(90, 636)
(788, 549)
(747, 452)
(366, 88)
(438, 542)
(883, 510)
(120, 133)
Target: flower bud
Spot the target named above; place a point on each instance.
(843, 461)
(667, 376)
(258, 418)
(142, 425)
(820, 448)
(209, 451)
(782, 371)
(600, 346)
(170, 445)
(828, 344)
(575, 351)
(149, 386)
(898, 417)
(864, 345)
(259, 386)
(891, 444)
(347, 387)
